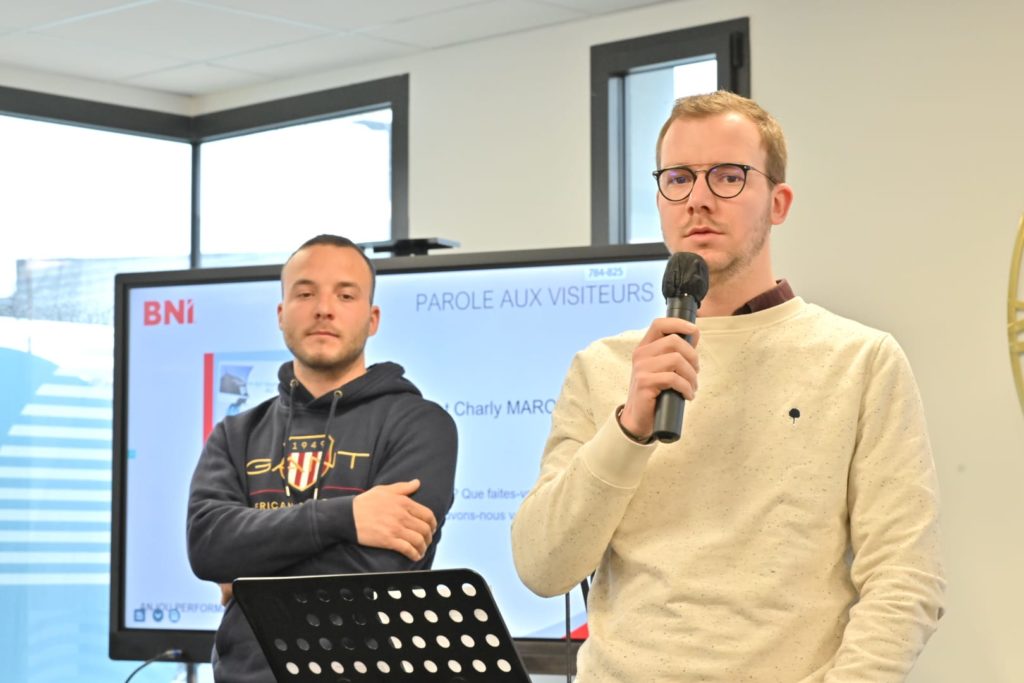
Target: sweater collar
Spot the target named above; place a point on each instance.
(779, 294)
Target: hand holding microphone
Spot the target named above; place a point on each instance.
(665, 362)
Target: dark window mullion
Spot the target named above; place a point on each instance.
(194, 257)
(610, 64)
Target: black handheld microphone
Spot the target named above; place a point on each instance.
(684, 287)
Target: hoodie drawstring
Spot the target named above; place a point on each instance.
(287, 431)
(336, 396)
(327, 430)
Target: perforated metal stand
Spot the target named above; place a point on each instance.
(370, 628)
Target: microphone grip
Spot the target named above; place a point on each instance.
(668, 409)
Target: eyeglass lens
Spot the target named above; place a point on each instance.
(725, 180)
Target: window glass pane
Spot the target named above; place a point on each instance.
(79, 205)
(649, 95)
(263, 194)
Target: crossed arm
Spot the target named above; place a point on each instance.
(391, 525)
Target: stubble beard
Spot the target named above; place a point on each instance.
(329, 364)
(735, 266)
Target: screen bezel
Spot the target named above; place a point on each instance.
(539, 655)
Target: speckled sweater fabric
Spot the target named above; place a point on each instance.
(790, 536)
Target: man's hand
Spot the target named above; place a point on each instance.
(662, 360)
(386, 517)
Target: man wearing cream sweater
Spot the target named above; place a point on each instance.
(790, 535)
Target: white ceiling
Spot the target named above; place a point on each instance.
(199, 47)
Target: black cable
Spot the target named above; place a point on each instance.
(165, 656)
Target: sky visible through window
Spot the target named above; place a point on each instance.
(649, 98)
(264, 194)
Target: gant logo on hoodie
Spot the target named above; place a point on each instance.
(309, 458)
(306, 461)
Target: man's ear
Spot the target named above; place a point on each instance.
(374, 319)
(782, 200)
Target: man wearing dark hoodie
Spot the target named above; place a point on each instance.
(349, 469)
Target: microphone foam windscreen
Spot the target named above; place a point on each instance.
(686, 273)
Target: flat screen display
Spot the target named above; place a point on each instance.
(489, 337)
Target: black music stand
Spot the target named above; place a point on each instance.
(373, 628)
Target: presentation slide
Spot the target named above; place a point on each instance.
(490, 345)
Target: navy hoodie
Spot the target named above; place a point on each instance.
(272, 492)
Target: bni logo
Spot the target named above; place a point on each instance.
(180, 312)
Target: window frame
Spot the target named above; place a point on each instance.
(308, 108)
(195, 130)
(610, 63)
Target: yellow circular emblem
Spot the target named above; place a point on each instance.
(1015, 313)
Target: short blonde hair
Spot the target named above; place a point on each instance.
(723, 102)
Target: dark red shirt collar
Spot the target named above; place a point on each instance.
(779, 294)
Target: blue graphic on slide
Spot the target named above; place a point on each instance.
(233, 383)
(244, 380)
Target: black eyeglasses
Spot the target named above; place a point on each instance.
(724, 180)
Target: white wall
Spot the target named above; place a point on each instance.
(868, 92)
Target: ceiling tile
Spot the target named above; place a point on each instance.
(26, 14)
(465, 24)
(195, 79)
(236, 43)
(183, 30)
(343, 14)
(316, 55)
(57, 55)
(601, 6)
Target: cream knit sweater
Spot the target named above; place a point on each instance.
(761, 546)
